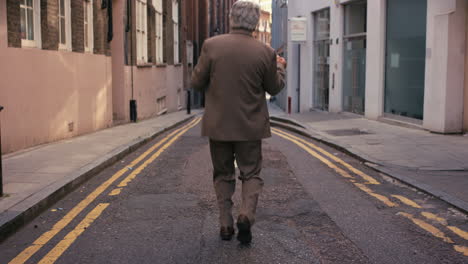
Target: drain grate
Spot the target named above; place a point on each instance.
(347, 132)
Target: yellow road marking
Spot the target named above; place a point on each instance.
(461, 249)
(379, 197)
(459, 232)
(382, 198)
(428, 227)
(63, 245)
(134, 173)
(407, 201)
(316, 155)
(434, 217)
(115, 192)
(47, 236)
(366, 177)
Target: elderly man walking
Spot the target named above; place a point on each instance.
(235, 71)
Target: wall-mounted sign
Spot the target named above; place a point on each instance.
(298, 29)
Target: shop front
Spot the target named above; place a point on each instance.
(405, 58)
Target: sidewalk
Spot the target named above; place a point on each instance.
(35, 178)
(436, 164)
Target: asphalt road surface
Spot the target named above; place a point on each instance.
(318, 206)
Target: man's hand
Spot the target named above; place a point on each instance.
(281, 60)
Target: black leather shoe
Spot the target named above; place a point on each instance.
(226, 233)
(243, 224)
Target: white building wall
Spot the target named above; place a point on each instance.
(336, 58)
(445, 66)
(445, 48)
(375, 59)
(303, 8)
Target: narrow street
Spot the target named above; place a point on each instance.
(319, 205)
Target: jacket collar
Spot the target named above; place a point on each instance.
(241, 31)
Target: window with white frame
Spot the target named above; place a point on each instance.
(30, 23)
(64, 17)
(175, 22)
(158, 6)
(141, 32)
(88, 25)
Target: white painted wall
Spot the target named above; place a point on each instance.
(375, 59)
(445, 66)
(302, 8)
(445, 62)
(336, 58)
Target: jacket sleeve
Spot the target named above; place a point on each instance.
(274, 79)
(201, 73)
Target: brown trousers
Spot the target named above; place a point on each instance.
(248, 155)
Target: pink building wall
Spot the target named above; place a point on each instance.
(149, 82)
(46, 92)
(465, 107)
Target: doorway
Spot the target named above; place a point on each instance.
(354, 57)
(321, 59)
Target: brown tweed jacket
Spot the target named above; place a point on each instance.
(235, 70)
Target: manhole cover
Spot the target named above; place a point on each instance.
(347, 132)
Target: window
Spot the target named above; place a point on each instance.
(141, 32)
(30, 23)
(158, 6)
(88, 25)
(64, 25)
(175, 22)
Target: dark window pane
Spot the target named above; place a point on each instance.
(86, 36)
(62, 30)
(29, 3)
(23, 23)
(355, 18)
(62, 7)
(30, 25)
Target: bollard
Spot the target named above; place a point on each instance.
(289, 104)
(1, 168)
(189, 102)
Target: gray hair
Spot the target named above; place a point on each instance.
(244, 15)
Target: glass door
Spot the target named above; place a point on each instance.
(321, 59)
(406, 58)
(354, 57)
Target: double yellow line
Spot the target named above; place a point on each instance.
(368, 180)
(307, 146)
(60, 248)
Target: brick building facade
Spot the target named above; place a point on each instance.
(86, 60)
(49, 25)
(72, 67)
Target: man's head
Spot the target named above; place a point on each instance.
(245, 15)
